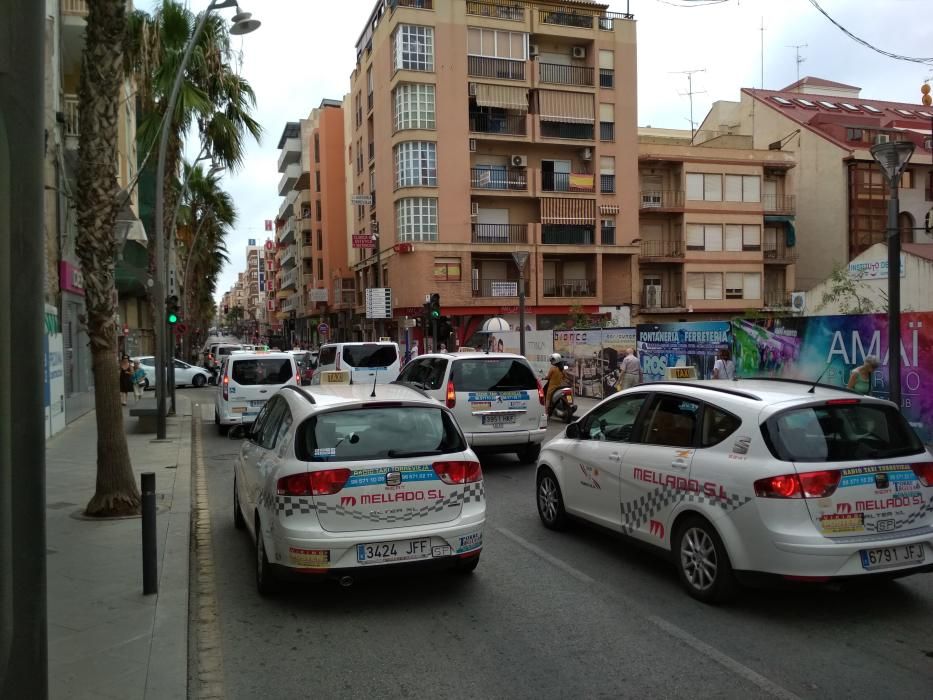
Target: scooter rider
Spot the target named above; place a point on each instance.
(555, 379)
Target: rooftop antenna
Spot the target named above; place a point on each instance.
(375, 379)
(690, 93)
(799, 59)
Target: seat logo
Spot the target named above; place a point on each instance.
(656, 527)
(882, 481)
(393, 478)
(348, 500)
(843, 507)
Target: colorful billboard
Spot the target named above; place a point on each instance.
(594, 355)
(663, 345)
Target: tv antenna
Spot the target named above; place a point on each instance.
(690, 93)
(799, 59)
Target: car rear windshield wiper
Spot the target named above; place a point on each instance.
(413, 453)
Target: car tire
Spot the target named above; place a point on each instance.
(222, 429)
(702, 562)
(467, 566)
(239, 522)
(550, 501)
(529, 453)
(145, 384)
(265, 575)
(198, 381)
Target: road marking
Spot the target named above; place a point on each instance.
(723, 659)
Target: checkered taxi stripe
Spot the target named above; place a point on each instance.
(636, 513)
(303, 505)
(904, 523)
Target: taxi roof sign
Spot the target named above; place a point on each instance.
(689, 372)
(340, 376)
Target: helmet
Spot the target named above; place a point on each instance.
(555, 358)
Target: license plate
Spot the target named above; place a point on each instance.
(884, 557)
(404, 550)
(238, 409)
(498, 420)
(258, 403)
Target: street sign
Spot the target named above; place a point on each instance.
(361, 199)
(379, 302)
(363, 240)
(323, 329)
(521, 259)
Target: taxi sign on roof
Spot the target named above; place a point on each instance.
(680, 372)
(340, 376)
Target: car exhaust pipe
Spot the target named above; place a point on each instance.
(346, 581)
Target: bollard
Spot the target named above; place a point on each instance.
(150, 561)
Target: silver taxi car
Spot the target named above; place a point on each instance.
(342, 481)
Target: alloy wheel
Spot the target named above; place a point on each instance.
(548, 499)
(698, 559)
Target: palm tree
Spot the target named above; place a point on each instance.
(102, 77)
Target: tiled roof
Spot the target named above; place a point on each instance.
(921, 250)
(819, 82)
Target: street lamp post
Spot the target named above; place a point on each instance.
(242, 24)
(893, 158)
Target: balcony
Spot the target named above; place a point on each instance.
(566, 130)
(568, 234)
(494, 178)
(70, 107)
(504, 68)
(662, 199)
(779, 203)
(288, 231)
(498, 288)
(568, 182)
(607, 184)
(369, 102)
(417, 4)
(566, 19)
(500, 233)
(778, 252)
(569, 288)
(493, 9)
(290, 279)
(503, 125)
(372, 151)
(662, 249)
(288, 256)
(607, 78)
(557, 74)
(776, 299)
(657, 298)
(290, 304)
(289, 178)
(290, 153)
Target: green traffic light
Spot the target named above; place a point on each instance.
(435, 314)
(173, 319)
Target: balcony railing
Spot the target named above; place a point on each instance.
(662, 249)
(485, 67)
(776, 299)
(607, 184)
(74, 7)
(372, 151)
(508, 125)
(607, 235)
(557, 74)
(500, 233)
(497, 10)
(783, 203)
(496, 288)
(369, 101)
(779, 252)
(607, 78)
(569, 288)
(70, 106)
(568, 182)
(417, 4)
(290, 278)
(607, 131)
(515, 179)
(566, 130)
(662, 199)
(347, 297)
(566, 19)
(654, 298)
(568, 234)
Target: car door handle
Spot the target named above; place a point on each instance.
(615, 456)
(680, 463)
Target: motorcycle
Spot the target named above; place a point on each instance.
(562, 405)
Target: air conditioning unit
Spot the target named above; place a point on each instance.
(472, 145)
(472, 89)
(798, 301)
(474, 209)
(533, 49)
(519, 161)
(586, 154)
(579, 52)
(883, 138)
(653, 295)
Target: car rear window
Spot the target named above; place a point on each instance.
(505, 374)
(227, 349)
(267, 370)
(389, 432)
(369, 355)
(840, 433)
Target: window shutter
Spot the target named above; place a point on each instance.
(607, 59)
(751, 236)
(694, 186)
(607, 112)
(695, 236)
(713, 237)
(751, 188)
(695, 285)
(733, 188)
(733, 237)
(713, 285)
(712, 188)
(752, 287)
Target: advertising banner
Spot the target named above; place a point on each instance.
(696, 344)
(594, 355)
(538, 346)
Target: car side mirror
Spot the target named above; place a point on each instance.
(573, 430)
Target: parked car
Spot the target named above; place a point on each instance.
(246, 381)
(498, 401)
(366, 362)
(748, 479)
(185, 374)
(335, 483)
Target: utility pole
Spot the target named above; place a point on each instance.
(798, 58)
(374, 228)
(690, 93)
(23, 611)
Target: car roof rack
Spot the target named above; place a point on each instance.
(304, 394)
(708, 387)
(804, 382)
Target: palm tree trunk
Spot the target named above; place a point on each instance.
(101, 79)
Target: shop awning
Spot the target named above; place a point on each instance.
(557, 210)
(790, 231)
(554, 105)
(502, 96)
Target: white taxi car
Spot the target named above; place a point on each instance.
(336, 482)
(246, 381)
(496, 398)
(739, 479)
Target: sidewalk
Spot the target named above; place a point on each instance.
(107, 640)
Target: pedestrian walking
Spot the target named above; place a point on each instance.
(860, 377)
(126, 379)
(724, 368)
(631, 369)
(139, 381)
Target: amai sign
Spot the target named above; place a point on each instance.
(71, 279)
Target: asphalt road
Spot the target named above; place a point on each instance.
(580, 614)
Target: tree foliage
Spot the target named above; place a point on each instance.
(851, 294)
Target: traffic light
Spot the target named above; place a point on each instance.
(171, 310)
(435, 306)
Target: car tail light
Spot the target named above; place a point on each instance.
(294, 485)
(924, 472)
(298, 378)
(451, 394)
(459, 472)
(226, 388)
(322, 483)
(842, 402)
(540, 392)
(819, 484)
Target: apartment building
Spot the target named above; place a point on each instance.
(716, 227)
(312, 276)
(484, 128)
(842, 196)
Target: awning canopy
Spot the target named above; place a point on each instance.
(554, 105)
(502, 96)
(790, 231)
(608, 209)
(558, 210)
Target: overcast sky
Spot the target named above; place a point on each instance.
(304, 52)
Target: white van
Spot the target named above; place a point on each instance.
(246, 381)
(366, 362)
